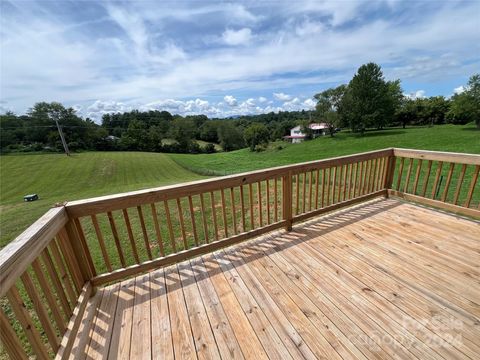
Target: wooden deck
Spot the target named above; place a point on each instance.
(385, 279)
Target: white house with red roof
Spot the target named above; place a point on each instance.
(297, 136)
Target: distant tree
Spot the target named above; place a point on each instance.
(229, 136)
(465, 107)
(209, 130)
(328, 102)
(209, 148)
(183, 131)
(256, 135)
(369, 100)
(306, 130)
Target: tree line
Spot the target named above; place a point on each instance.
(368, 101)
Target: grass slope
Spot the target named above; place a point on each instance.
(443, 138)
(57, 178)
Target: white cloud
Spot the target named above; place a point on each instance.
(459, 90)
(230, 100)
(282, 97)
(237, 37)
(309, 28)
(419, 94)
(310, 103)
(262, 99)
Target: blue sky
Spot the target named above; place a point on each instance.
(226, 58)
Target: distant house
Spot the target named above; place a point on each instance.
(112, 138)
(296, 135)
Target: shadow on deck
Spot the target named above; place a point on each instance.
(384, 279)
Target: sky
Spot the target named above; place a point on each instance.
(226, 58)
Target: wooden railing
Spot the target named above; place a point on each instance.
(445, 180)
(48, 273)
(41, 283)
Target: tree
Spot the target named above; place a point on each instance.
(256, 135)
(465, 107)
(328, 102)
(369, 100)
(230, 137)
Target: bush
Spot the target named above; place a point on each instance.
(209, 148)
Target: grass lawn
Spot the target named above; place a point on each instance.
(453, 138)
(57, 178)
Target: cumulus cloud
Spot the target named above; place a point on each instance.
(230, 100)
(229, 107)
(237, 37)
(262, 99)
(459, 90)
(419, 94)
(310, 103)
(282, 97)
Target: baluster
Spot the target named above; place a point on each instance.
(268, 201)
(400, 173)
(170, 227)
(250, 200)
(310, 192)
(472, 187)
(52, 303)
(417, 176)
(427, 177)
(182, 224)
(126, 218)
(27, 323)
(459, 184)
(144, 232)
(297, 198)
(116, 238)
(234, 213)
(242, 203)
(276, 200)
(9, 339)
(334, 180)
(224, 213)
(409, 172)
(437, 177)
(101, 241)
(260, 210)
(192, 218)
(157, 229)
(204, 218)
(72, 296)
(40, 310)
(447, 184)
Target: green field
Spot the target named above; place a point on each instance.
(454, 138)
(57, 178)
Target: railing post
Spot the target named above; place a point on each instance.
(390, 172)
(287, 200)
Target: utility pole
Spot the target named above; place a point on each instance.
(62, 137)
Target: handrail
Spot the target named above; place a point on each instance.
(85, 207)
(460, 158)
(142, 230)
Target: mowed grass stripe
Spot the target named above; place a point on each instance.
(57, 178)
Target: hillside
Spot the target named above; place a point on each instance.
(455, 138)
(57, 178)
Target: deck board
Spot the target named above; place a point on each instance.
(382, 280)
